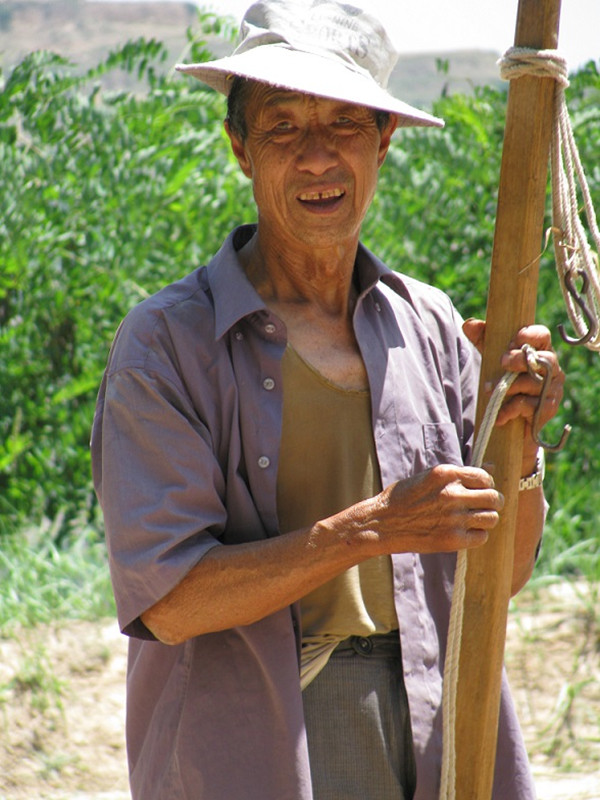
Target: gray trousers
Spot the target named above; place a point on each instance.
(358, 723)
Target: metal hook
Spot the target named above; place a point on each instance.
(579, 298)
(540, 368)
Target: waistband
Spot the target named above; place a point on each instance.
(379, 644)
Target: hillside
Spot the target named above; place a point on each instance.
(84, 32)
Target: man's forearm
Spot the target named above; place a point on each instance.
(443, 510)
(236, 585)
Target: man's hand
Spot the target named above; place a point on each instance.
(445, 509)
(522, 401)
(523, 396)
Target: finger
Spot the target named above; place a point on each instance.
(484, 501)
(472, 490)
(473, 494)
(516, 361)
(538, 336)
(470, 477)
(474, 330)
(483, 520)
(466, 530)
(472, 529)
(474, 537)
(475, 478)
(525, 406)
(531, 386)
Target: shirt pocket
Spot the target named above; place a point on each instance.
(441, 444)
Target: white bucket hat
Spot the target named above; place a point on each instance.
(321, 47)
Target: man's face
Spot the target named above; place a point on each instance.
(313, 163)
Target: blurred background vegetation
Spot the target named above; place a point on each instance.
(107, 195)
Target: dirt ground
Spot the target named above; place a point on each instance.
(62, 702)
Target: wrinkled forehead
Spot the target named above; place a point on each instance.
(264, 96)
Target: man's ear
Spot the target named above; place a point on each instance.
(239, 151)
(386, 138)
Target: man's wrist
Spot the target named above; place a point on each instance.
(536, 478)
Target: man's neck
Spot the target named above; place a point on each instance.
(314, 295)
(286, 275)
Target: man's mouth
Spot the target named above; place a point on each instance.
(324, 199)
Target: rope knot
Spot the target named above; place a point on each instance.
(519, 61)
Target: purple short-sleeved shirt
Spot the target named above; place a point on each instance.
(185, 451)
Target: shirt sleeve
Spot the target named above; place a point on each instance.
(160, 488)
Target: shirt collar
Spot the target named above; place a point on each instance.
(370, 270)
(234, 296)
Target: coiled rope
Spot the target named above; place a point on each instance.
(575, 260)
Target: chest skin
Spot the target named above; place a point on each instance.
(326, 342)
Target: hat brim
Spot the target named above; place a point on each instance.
(309, 73)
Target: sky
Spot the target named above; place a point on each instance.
(446, 25)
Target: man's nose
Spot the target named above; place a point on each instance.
(317, 152)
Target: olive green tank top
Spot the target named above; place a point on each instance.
(328, 462)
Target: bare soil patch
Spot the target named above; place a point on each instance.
(62, 701)
(553, 662)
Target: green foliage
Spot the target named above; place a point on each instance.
(105, 198)
(108, 196)
(434, 212)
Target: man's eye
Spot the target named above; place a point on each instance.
(284, 125)
(344, 123)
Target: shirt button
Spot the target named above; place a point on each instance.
(377, 307)
(264, 462)
(239, 336)
(270, 328)
(269, 384)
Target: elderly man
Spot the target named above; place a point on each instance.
(281, 449)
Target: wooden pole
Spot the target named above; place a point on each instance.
(511, 305)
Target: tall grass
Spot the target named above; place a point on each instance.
(42, 583)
